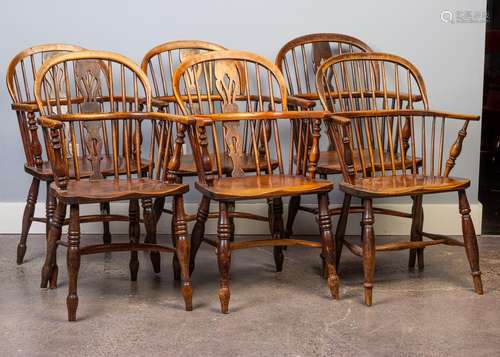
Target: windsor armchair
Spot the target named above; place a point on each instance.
(299, 60)
(21, 74)
(377, 132)
(160, 64)
(108, 92)
(247, 86)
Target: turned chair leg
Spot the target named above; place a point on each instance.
(224, 255)
(29, 211)
(277, 231)
(50, 269)
(198, 231)
(175, 262)
(417, 224)
(470, 241)
(105, 211)
(50, 208)
(150, 225)
(134, 232)
(182, 251)
(368, 236)
(341, 227)
(293, 208)
(73, 260)
(328, 245)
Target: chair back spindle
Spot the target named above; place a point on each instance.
(246, 88)
(409, 127)
(21, 73)
(100, 93)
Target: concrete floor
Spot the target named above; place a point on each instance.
(430, 313)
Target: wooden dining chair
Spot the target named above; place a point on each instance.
(20, 78)
(160, 63)
(250, 89)
(97, 93)
(378, 132)
(299, 60)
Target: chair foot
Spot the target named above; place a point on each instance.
(187, 294)
(224, 296)
(21, 252)
(46, 274)
(333, 284)
(53, 277)
(478, 283)
(368, 294)
(72, 304)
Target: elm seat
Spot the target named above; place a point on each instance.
(256, 187)
(91, 191)
(188, 166)
(385, 186)
(45, 171)
(329, 162)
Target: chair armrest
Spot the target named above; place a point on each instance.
(291, 115)
(50, 121)
(301, 102)
(406, 113)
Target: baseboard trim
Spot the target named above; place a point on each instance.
(440, 218)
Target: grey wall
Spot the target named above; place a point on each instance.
(450, 56)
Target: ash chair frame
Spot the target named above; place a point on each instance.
(299, 60)
(218, 132)
(425, 144)
(80, 106)
(20, 79)
(160, 64)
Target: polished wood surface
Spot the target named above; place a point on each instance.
(249, 109)
(20, 79)
(300, 58)
(83, 191)
(267, 186)
(85, 167)
(80, 126)
(388, 186)
(418, 134)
